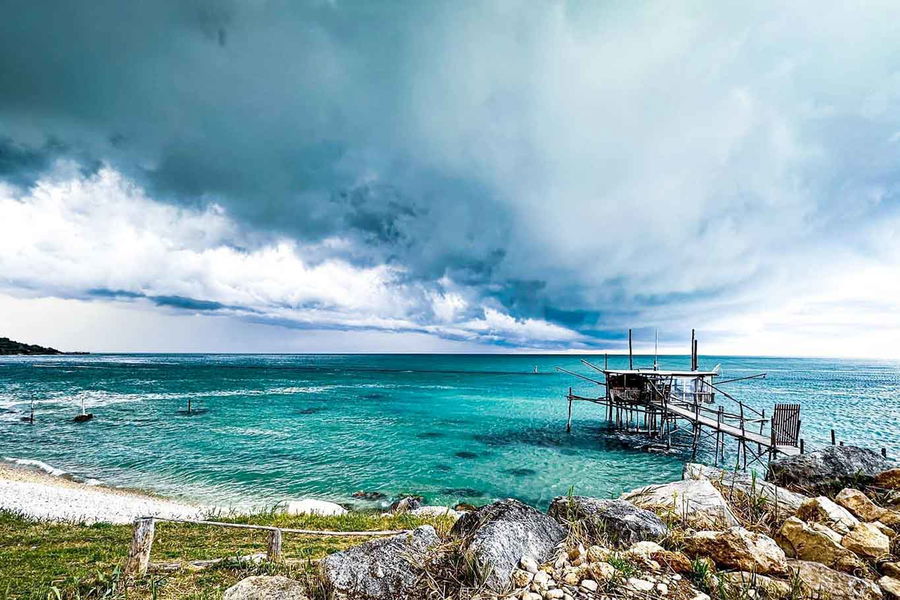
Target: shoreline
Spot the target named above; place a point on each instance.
(30, 491)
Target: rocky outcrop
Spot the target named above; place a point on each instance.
(313, 507)
(618, 522)
(859, 504)
(805, 542)
(822, 510)
(266, 588)
(381, 569)
(694, 502)
(827, 470)
(889, 479)
(818, 581)
(737, 548)
(778, 499)
(499, 535)
(868, 541)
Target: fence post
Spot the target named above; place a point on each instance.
(141, 544)
(273, 547)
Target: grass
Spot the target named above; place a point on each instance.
(62, 561)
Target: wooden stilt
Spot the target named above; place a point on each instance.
(569, 420)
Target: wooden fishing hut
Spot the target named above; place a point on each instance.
(658, 403)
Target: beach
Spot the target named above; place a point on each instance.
(38, 495)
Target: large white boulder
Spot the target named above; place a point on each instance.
(310, 506)
(695, 502)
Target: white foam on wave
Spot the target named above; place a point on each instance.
(37, 464)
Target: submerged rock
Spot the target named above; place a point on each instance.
(695, 502)
(818, 581)
(266, 588)
(381, 569)
(778, 499)
(310, 506)
(620, 522)
(737, 548)
(497, 536)
(827, 470)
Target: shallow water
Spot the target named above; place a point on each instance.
(453, 428)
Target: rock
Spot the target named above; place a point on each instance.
(827, 470)
(363, 495)
(589, 585)
(407, 503)
(800, 540)
(380, 569)
(737, 548)
(498, 535)
(528, 564)
(891, 569)
(436, 511)
(263, 587)
(822, 510)
(890, 586)
(617, 521)
(891, 518)
(818, 581)
(884, 529)
(889, 479)
(674, 561)
(640, 585)
(859, 504)
(737, 582)
(867, 541)
(310, 506)
(778, 499)
(695, 502)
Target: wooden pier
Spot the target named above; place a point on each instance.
(659, 403)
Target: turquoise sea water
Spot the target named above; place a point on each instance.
(453, 428)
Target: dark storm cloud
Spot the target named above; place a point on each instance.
(589, 164)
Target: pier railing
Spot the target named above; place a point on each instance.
(138, 560)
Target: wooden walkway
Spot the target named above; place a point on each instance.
(736, 432)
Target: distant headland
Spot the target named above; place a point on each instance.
(10, 347)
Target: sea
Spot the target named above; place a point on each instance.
(452, 428)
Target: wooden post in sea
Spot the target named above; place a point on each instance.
(569, 420)
(141, 544)
(273, 546)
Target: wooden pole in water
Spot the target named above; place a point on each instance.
(141, 544)
(832, 437)
(569, 420)
(630, 358)
(693, 347)
(273, 546)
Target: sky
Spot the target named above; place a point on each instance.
(333, 176)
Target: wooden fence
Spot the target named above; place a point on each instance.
(138, 559)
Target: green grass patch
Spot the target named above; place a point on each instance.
(60, 561)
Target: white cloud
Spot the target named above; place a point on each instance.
(101, 237)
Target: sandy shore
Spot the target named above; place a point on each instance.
(45, 497)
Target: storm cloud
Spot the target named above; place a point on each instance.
(540, 174)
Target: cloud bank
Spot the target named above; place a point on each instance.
(521, 174)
